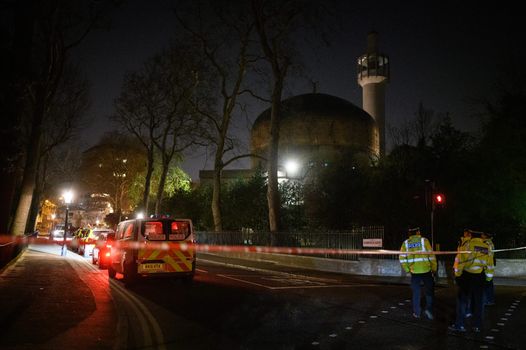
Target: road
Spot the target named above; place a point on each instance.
(233, 304)
(229, 307)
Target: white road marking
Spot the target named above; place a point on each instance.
(503, 318)
(495, 330)
(315, 343)
(201, 270)
(333, 335)
(348, 328)
(501, 324)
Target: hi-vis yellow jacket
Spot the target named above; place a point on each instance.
(479, 259)
(417, 263)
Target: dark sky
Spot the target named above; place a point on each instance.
(441, 54)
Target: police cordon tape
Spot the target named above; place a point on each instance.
(201, 247)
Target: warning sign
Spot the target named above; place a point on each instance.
(372, 243)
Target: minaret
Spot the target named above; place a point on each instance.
(373, 75)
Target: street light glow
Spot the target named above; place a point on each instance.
(292, 167)
(68, 196)
(140, 215)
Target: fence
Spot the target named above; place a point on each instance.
(352, 239)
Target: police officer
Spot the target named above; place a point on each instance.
(472, 269)
(422, 268)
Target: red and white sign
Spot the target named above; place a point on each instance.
(372, 243)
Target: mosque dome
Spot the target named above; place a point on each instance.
(317, 127)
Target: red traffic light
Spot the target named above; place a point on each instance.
(439, 198)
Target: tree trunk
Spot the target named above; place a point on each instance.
(147, 181)
(30, 169)
(160, 189)
(216, 201)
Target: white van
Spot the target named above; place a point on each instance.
(153, 247)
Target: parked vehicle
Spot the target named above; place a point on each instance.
(57, 234)
(152, 247)
(102, 250)
(88, 242)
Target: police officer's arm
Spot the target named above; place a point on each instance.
(403, 258)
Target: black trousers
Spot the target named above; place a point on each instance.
(470, 288)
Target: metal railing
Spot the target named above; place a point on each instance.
(352, 239)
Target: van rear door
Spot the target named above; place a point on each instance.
(160, 254)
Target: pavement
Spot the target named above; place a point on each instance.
(49, 301)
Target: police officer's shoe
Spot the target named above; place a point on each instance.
(476, 329)
(429, 314)
(455, 328)
(415, 315)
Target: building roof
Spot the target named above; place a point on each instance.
(316, 105)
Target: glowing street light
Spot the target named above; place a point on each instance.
(68, 197)
(292, 167)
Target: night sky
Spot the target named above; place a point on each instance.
(442, 55)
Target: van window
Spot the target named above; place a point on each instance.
(153, 231)
(120, 230)
(128, 231)
(179, 230)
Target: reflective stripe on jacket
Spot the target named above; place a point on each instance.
(417, 263)
(479, 259)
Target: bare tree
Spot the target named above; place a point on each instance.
(134, 112)
(278, 24)
(61, 121)
(51, 30)
(417, 131)
(222, 33)
(423, 124)
(154, 108)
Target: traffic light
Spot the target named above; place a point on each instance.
(439, 199)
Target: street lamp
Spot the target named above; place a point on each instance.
(68, 196)
(292, 168)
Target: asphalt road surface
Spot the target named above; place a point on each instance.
(230, 307)
(53, 302)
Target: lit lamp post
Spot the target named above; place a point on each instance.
(68, 196)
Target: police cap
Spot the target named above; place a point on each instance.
(414, 230)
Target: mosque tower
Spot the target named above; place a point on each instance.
(373, 75)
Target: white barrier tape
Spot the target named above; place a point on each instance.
(184, 246)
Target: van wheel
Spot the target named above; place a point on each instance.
(111, 272)
(129, 275)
